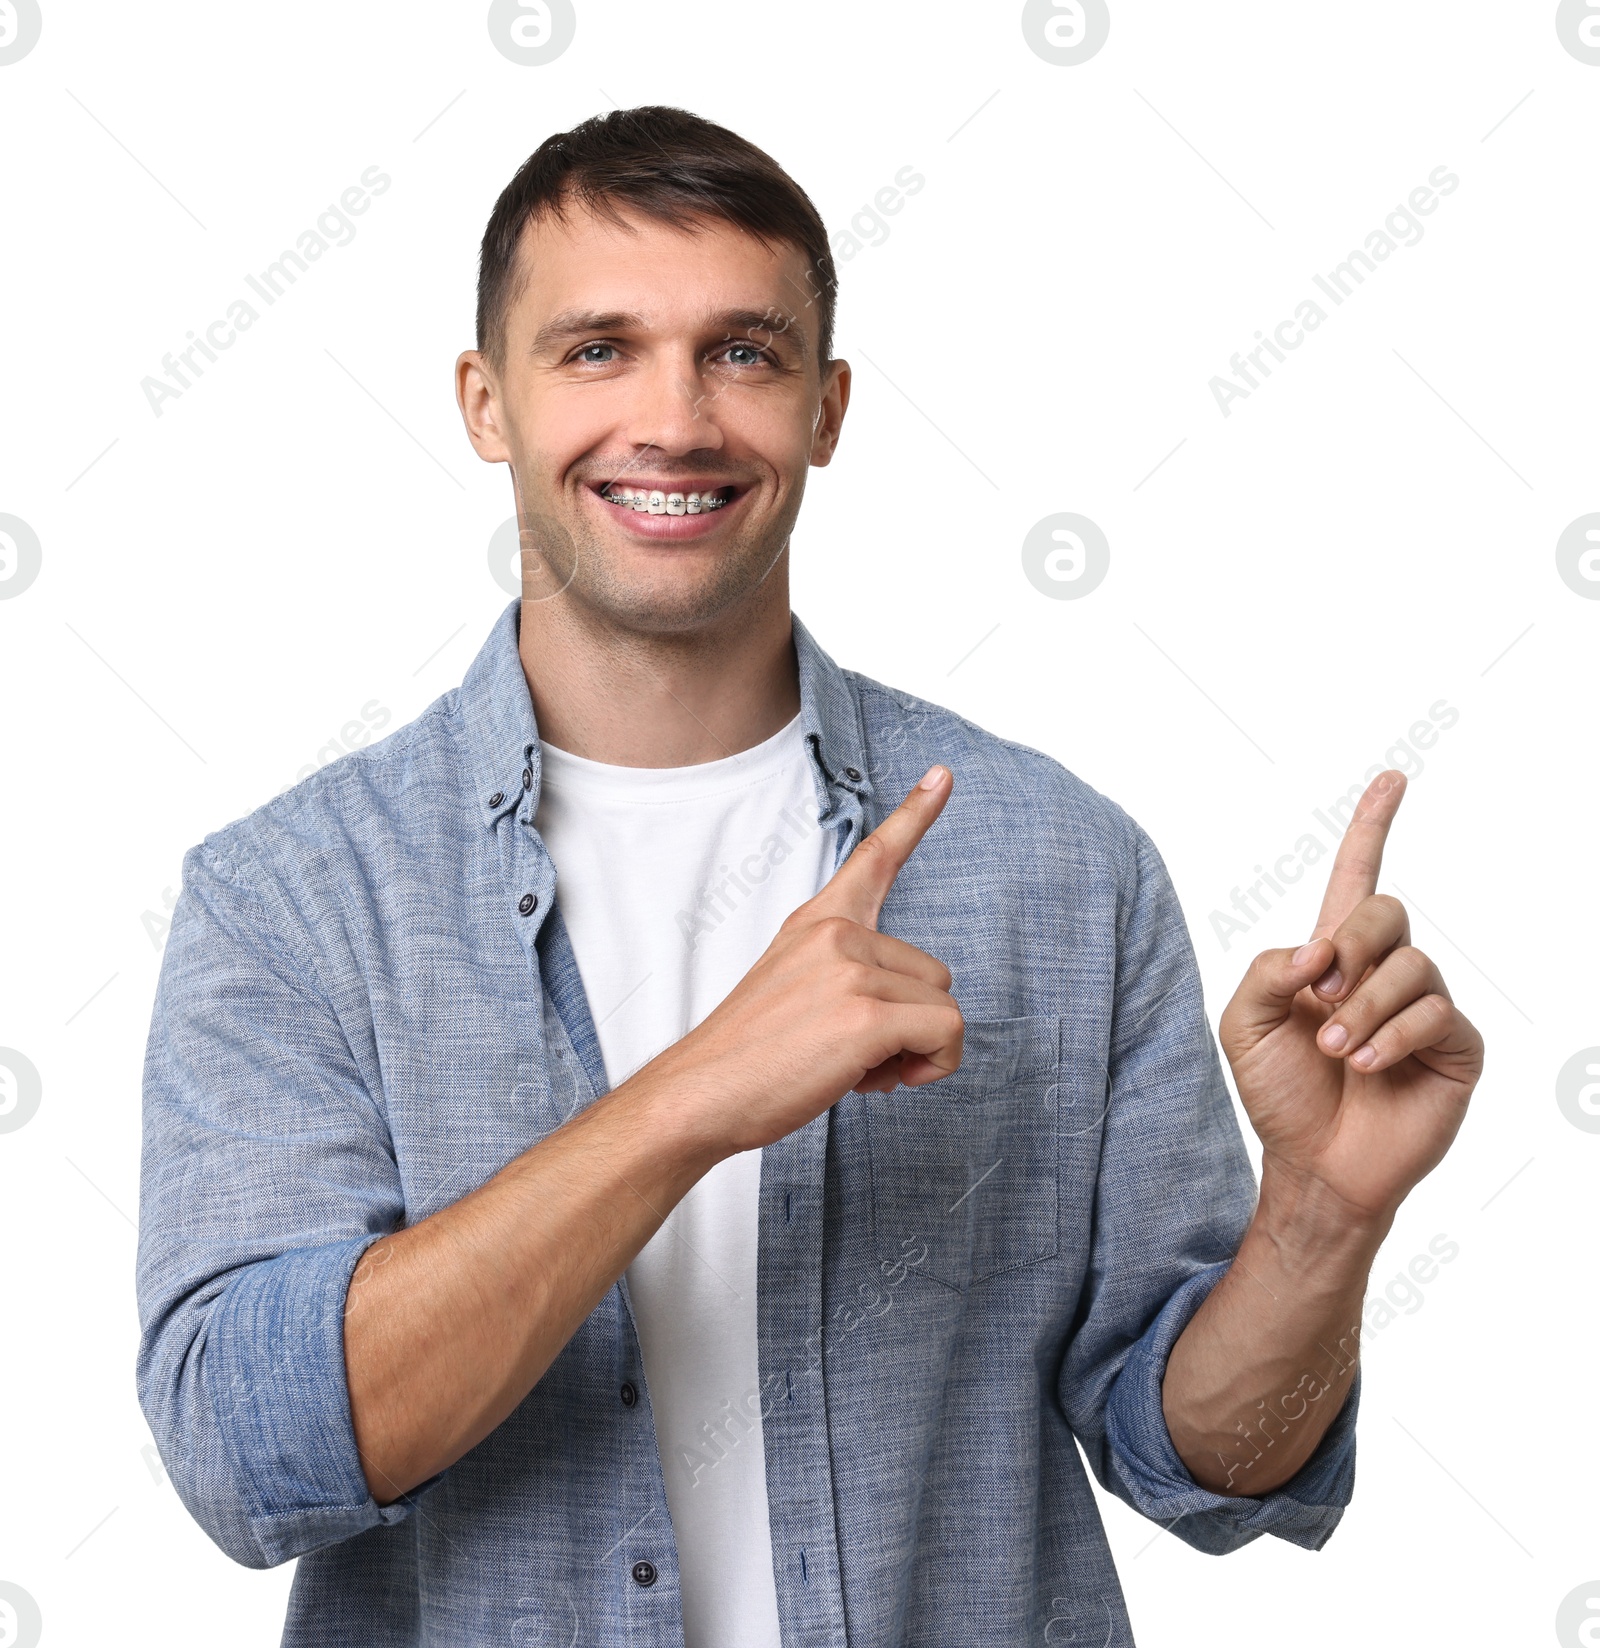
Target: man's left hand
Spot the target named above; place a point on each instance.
(1351, 1060)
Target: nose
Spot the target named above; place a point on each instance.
(674, 407)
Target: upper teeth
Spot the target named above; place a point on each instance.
(663, 503)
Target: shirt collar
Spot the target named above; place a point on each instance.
(502, 735)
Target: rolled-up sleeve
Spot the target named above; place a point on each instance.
(267, 1171)
(1175, 1195)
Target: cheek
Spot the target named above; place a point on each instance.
(557, 426)
(771, 432)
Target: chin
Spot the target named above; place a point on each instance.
(678, 601)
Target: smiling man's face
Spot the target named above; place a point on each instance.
(643, 359)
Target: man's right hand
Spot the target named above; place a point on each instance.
(451, 1321)
(833, 1005)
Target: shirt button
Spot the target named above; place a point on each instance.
(853, 774)
(629, 1394)
(527, 778)
(497, 798)
(644, 1573)
(527, 904)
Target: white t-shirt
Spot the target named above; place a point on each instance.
(672, 882)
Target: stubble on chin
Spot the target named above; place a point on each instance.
(586, 569)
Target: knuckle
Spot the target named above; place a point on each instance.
(871, 848)
(861, 1019)
(833, 933)
(1361, 1007)
(1365, 925)
(1382, 1036)
(1437, 1011)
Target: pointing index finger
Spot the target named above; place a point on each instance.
(1355, 866)
(862, 882)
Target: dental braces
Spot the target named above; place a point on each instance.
(644, 502)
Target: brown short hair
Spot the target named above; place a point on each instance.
(670, 165)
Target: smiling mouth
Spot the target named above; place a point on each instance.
(654, 501)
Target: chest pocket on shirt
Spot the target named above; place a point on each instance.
(969, 1166)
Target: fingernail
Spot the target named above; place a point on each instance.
(931, 779)
(1331, 982)
(1303, 954)
(1364, 1055)
(1334, 1037)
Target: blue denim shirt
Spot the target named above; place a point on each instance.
(959, 1286)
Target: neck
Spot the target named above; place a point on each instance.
(634, 698)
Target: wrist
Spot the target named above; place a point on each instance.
(677, 1125)
(1313, 1229)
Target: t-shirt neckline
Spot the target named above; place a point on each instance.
(576, 774)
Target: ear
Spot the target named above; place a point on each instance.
(830, 412)
(478, 396)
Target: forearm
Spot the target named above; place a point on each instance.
(451, 1322)
(1262, 1370)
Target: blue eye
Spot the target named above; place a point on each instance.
(596, 354)
(748, 350)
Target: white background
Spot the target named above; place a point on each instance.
(305, 531)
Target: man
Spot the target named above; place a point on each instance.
(676, 1143)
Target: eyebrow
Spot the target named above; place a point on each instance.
(761, 320)
(575, 323)
(572, 323)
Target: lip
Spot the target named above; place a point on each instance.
(668, 528)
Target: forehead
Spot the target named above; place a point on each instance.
(668, 275)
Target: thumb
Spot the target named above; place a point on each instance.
(1266, 992)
